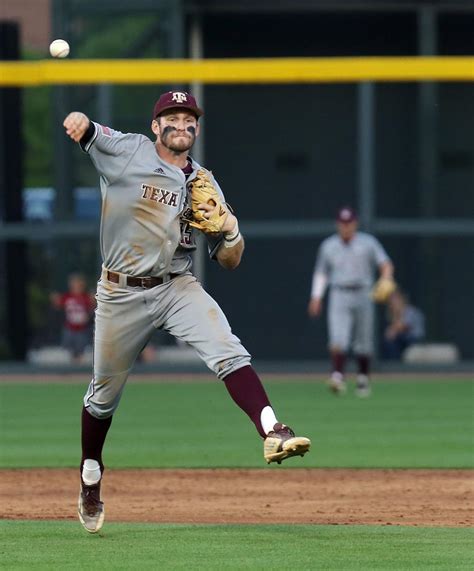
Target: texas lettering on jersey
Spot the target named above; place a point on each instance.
(159, 195)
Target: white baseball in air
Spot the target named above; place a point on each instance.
(59, 48)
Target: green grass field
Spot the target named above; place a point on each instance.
(55, 545)
(404, 424)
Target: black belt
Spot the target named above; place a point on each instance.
(133, 281)
(349, 287)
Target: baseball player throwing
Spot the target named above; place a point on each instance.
(346, 262)
(155, 197)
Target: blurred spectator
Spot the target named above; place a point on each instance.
(406, 325)
(78, 306)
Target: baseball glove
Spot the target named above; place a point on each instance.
(383, 289)
(203, 191)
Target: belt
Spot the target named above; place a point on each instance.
(134, 281)
(349, 287)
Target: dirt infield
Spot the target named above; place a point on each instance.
(272, 495)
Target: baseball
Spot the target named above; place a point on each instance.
(59, 48)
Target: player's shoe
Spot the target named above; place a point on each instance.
(90, 508)
(336, 384)
(363, 389)
(281, 443)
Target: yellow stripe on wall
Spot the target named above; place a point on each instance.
(278, 70)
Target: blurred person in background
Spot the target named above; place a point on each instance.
(78, 306)
(406, 325)
(346, 262)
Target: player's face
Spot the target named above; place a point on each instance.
(176, 130)
(77, 285)
(347, 229)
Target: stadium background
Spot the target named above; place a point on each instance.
(388, 482)
(287, 156)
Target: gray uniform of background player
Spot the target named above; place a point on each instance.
(143, 234)
(349, 268)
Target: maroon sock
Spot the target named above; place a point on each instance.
(338, 361)
(248, 393)
(94, 431)
(363, 362)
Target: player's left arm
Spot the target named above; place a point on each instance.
(386, 270)
(382, 260)
(227, 245)
(385, 285)
(232, 246)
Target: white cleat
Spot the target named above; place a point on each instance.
(90, 509)
(363, 389)
(337, 384)
(281, 443)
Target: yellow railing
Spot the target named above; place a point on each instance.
(278, 70)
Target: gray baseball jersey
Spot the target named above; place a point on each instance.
(144, 232)
(352, 263)
(349, 268)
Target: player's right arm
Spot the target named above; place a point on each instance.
(319, 283)
(109, 150)
(76, 125)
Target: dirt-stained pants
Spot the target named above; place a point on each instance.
(126, 318)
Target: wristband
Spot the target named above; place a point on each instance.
(232, 243)
(229, 236)
(233, 237)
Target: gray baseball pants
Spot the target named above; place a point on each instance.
(126, 318)
(351, 320)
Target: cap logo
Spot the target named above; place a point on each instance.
(345, 214)
(179, 97)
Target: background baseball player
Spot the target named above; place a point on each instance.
(155, 197)
(346, 262)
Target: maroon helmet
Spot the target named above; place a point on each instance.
(176, 100)
(346, 214)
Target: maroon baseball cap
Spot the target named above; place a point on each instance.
(346, 214)
(176, 100)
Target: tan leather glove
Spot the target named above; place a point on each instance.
(383, 289)
(204, 192)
